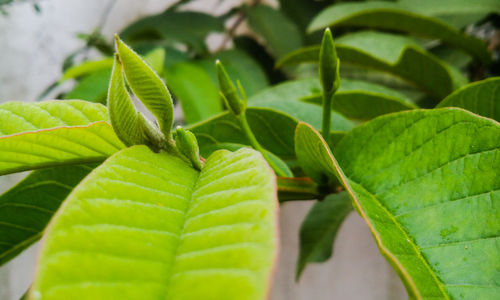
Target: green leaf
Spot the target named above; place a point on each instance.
(173, 27)
(147, 86)
(319, 229)
(426, 182)
(314, 155)
(240, 67)
(27, 207)
(285, 98)
(482, 97)
(87, 68)
(53, 133)
(361, 100)
(455, 12)
(129, 124)
(279, 32)
(276, 131)
(398, 17)
(156, 59)
(279, 163)
(194, 235)
(92, 87)
(395, 54)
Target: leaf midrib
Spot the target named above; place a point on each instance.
(181, 235)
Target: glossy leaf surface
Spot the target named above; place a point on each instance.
(398, 17)
(413, 177)
(319, 229)
(482, 97)
(53, 133)
(27, 207)
(214, 230)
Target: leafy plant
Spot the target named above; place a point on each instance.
(130, 209)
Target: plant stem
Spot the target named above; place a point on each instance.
(327, 114)
(242, 118)
(297, 188)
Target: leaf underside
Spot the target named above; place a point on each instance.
(207, 235)
(52, 133)
(414, 178)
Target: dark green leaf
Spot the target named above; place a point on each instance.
(413, 177)
(279, 32)
(27, 208)
(398, 17)
(194, 88)
(92, 87)
(186, 27)
(275, 131)
(285, 97)
(364, 101)
(319, 229)
(482, 97)
(391, 53)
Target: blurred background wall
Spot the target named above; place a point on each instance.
(33, 46)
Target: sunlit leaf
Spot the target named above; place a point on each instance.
(53, 133)
(199, 235)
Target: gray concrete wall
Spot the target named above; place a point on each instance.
(33, 47)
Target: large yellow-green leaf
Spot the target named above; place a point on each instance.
(27, 207)
(426, 182)
(482, 97)
(395, 54)
(398, 17)
(52, 133)
(146, 225)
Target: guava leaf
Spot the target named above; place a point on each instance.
(482, 97)
(95, 75)
(92, 87)
(193, 235)
(196, 91)
(27, 207)
(53, 133)
(173, 27)
(276, 131)
(147, 86)
(458, 13)
(399, 17)
(240, 66)
(285, 97)
(279, 32)
(426, 182)
(398, 55)
(319, 229)
(87, 68)
(362, 100)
